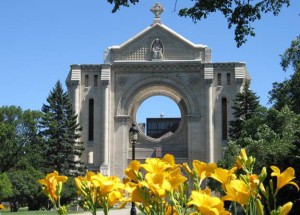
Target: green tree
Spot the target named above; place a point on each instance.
(288, 91)
(239, 13)
(26, 192)
(245, 106)
(269, 137)
(60, 131)
(9, 119)
(19, 137)
(5, 186)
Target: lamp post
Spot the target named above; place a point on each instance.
(133, 137)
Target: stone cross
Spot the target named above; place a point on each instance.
(157, 9)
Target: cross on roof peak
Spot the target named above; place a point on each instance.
(157, 9)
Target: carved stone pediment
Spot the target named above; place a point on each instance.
(158, 43)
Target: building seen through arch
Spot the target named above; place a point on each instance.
(156, 61)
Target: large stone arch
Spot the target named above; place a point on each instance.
(144, 87)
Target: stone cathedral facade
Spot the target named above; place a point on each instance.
(156, 61)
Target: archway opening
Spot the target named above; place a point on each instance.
(158, 117)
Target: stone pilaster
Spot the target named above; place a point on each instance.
(105, 80)
(208, 76)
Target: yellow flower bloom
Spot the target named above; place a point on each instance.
(237, 191)
(106, 184)
(188, 170)
(158, 184)
(132, 170)
(254, 181)
(155, 165)
(52, 185)
(176, 178)
(114, 197)
(84, 184)
(206, 204)
(99, 190)
(284, 178)
(169, 159)
(286, 208)
(2, 207)
(138, 193)
(203, 169)
(224, 176)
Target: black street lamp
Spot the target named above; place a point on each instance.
(133, 137)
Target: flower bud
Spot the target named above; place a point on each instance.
(259, 207)
(59, 188)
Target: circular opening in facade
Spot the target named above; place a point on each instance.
(158, 117)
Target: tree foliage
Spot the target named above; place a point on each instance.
(25, 189)
(60, 131)
(240, 14)
(268, 136)
(19, 137)
(288, 91)
(5, 186)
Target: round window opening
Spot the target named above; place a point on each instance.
(158, 117)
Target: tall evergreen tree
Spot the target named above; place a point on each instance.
(246, 104)
(61, 134)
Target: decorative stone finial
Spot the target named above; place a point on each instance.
(157, 9)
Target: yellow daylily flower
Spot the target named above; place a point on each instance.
(206, 204)
(285, 177)
(254, 181)
(155, 165)
(203, 169)
(176, 178)
(98, 189)
(286, 208)
(158, 183)
(169, 159)
(237, 191)
(106, 184)
(52, 185)
(138, 192)
(132, 170)
(114, 197)
(224, 176)
(188, 170)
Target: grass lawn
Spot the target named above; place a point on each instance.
(41, 212)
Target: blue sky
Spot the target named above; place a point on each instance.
(39, 40)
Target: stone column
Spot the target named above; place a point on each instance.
(105, 79)
(75, 84)
(76, 98)
(208, 76)
(210, 138)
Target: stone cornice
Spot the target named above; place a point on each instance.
(191, 66)
(88, 66)
(157, 66)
